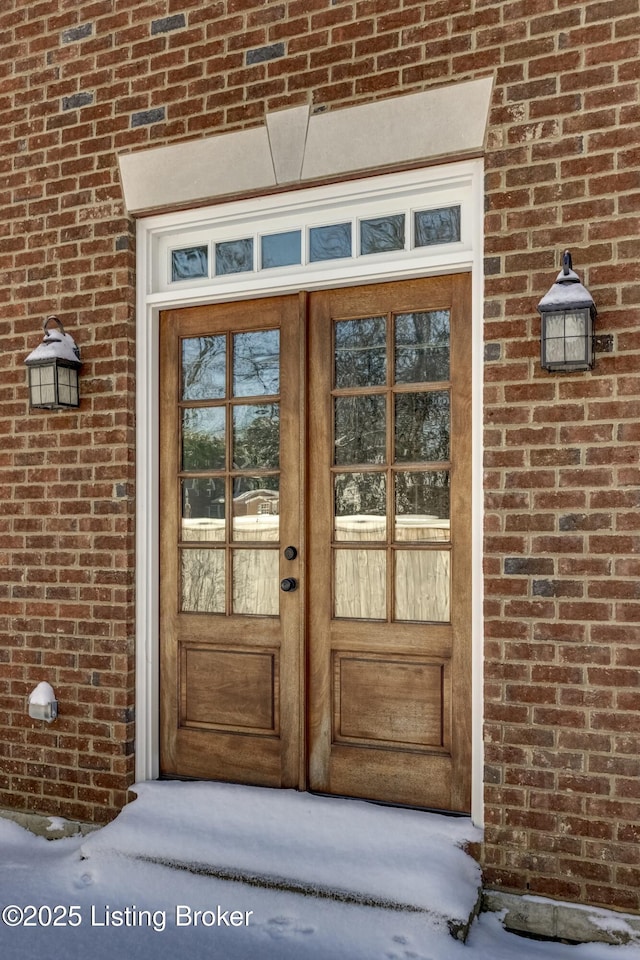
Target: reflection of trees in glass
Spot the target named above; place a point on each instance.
(201, 451)
(361, 352)
(361, 493)
(203, 439)
(189, 263)
(382, 233)
(203, 498)
(423, 494)
(256, 436)
(256, 363)
(422, 426)
(437, 226)
(330, 243)
(203, 586)
(360, 431)
(234, 256)
(203, 368)
(422, 346)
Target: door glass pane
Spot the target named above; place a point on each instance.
(256, 584)
(422, 505)
(203, 431)
(360, 506)
(202, 576)
(422, 426)
(361, 352)
(422, 346)
(422, 585)
(360, 584)
(256, 436)
(256, 363)
(256, 508)
(360, 429)
(382, 233)
(203, 368)
(203, 509)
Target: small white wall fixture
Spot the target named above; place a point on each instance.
(42, 703)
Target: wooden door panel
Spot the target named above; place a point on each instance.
(397, 702)
(230, 689)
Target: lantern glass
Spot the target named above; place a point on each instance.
(567, 340)
(42, 386)
(67, 386)
(53, 385)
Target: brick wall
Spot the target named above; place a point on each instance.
(81, 81)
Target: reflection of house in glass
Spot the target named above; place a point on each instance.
(257, 503)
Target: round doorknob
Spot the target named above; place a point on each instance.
(290, 553)
(288, 584)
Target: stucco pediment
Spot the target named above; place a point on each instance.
(296, 147)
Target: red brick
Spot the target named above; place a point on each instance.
(561, 159)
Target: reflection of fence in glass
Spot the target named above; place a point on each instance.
(422, 585)
(422, 582)
(203, 581)
(255, 581)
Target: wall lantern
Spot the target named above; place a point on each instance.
(568, 315)
(53, 370)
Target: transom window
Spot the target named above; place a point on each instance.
(332, 241)
(317, 233)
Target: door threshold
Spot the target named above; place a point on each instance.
(389, 803)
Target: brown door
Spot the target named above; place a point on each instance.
(230, 483)
(389, 533)
(358, 681)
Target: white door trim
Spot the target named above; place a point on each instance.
(155, 294)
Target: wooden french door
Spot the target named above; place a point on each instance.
(231, 656)
(315, 560)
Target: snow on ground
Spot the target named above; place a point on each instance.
(81, 898)
(317, 843)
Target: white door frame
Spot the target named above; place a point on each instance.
(156, 235)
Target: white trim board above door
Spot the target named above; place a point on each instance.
(381, 200)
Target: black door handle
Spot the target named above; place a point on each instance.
(290, 553)
(288, 584)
